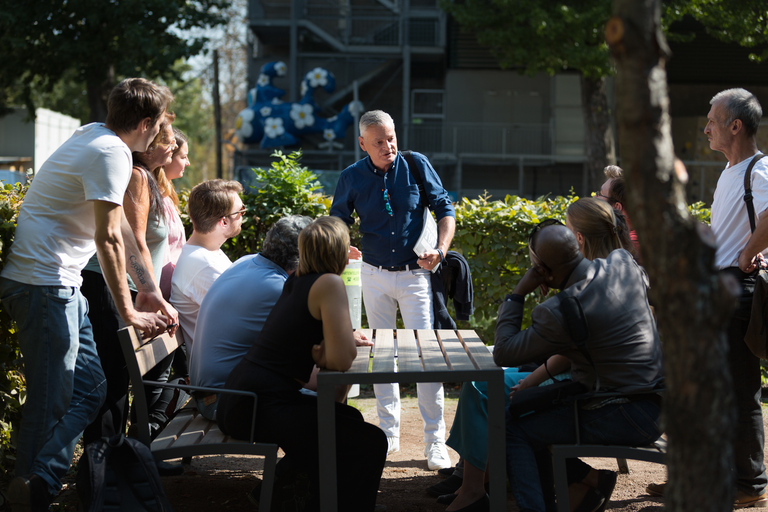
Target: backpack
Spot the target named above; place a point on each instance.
(119, 474)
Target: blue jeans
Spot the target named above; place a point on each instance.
(529, 462)
(65, 382)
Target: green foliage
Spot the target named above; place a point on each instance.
(12, 386)
(43, 42)
(493, 237)
(286, 188)
(700, 212)
(540, 36)
(744, 22)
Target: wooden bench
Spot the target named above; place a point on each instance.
(188, 433)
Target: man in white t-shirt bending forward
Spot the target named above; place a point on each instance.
(73, 209)
(216, 211)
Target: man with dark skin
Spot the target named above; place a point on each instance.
(623, 347)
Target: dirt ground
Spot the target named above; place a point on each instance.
(222, 482)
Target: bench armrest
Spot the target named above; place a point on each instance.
(187, 387)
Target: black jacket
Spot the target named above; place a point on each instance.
(452, 280)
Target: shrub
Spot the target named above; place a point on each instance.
(12, 385)
(286, 188)
(492, 236)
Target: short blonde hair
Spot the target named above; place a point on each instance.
(323, 247)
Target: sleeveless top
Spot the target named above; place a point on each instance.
(157, 242)
(285, 343)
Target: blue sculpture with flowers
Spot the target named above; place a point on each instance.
(272, 123)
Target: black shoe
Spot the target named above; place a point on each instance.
(167, 469)
(446, 499)
(29, 494)
(592, 502)
(606, 482)
(481, 505)
(448, 486)
(446, 472)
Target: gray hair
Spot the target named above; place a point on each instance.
(374, 118)
(613, 171)
(281, 245)
(742, 105)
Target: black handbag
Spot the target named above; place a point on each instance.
(756, 336)
(542, 398)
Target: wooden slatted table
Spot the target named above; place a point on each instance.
(422, 356)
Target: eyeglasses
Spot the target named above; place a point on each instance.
(536, 228)
(387, 206)
(238, 212)
(611, 201)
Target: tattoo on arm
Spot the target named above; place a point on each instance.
(139, 269)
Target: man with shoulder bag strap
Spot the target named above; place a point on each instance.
(391, 191)
(731, 129)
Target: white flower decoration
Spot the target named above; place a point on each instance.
(302, 115)
(356, 108)
(332, 119)
(329, 134)
(243, 126)
(276, 101)
(281, 69)
(273, 127)
(263, 80)
(265, 111)
(304, 87)
(318, 77)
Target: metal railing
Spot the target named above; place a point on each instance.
(499, 139)
(370, 25)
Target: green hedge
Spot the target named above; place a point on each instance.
(491, 234)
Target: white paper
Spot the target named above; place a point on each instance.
(428, 239)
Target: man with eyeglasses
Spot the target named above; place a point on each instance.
(389, 197)
(216, 211)
(623, 354)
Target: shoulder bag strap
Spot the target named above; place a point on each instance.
(748, 191)
(416, 173)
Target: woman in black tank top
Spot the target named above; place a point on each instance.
(309, 325)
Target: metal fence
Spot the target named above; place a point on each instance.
(481, 138)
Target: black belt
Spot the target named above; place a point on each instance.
(397, 268)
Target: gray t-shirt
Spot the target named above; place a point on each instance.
(231, 317)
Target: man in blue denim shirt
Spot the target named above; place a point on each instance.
(384, 192)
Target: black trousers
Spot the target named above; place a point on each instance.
(106, 321)
(749, 437)
(289, 418)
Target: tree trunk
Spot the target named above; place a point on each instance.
(692, 305)
(599, 140)
(98, 84)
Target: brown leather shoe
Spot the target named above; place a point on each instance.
(656, 489)
(744, 500)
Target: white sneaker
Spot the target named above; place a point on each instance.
(437, 456)
(393, 444)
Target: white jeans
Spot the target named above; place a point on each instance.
(383, 291)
